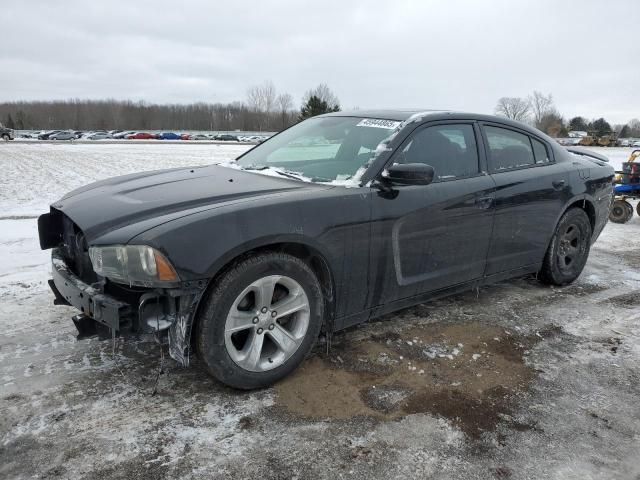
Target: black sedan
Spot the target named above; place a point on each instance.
(337, 220)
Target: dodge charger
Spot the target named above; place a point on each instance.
(334, 221)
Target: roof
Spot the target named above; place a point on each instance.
(425, 114)
(391, 114)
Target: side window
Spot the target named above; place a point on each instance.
(540, 151)
(508, 149)
(450, 149)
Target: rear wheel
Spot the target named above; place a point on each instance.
(569, 249)
(260, 320)
(638, 209)
(5, 137)
(621, 211)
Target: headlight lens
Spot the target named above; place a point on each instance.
(132, 264)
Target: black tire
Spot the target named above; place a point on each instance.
(619, 212)
(568, 250)
(638, 209)
(210, 325)
(5, 137)
(629, 211)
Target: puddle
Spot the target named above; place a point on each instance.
(468, 373)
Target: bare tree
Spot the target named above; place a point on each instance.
(515, 108)
(262, 100)
(541, 106)
(284, 101)
(324, 93)
(634, 128)
(127, 115)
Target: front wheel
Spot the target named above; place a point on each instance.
(568, 250)
(260, 320)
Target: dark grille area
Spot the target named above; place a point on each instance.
(76, 251)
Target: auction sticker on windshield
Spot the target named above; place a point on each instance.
(378, 123)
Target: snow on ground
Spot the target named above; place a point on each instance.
(34, 175)
(533, 382)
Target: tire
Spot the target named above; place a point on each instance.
(225, 340)
(638, 209)
(629, 211)
(568, 250)
(620, 212)
(5, 137)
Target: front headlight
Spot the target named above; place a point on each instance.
(132, 264)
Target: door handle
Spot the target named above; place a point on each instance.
(558, 184)
(484, 202)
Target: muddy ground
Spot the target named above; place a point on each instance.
(514, 381)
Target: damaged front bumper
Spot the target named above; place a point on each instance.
(170, 310)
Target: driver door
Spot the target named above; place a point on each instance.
(429, 237)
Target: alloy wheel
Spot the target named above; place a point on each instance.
(267, 323)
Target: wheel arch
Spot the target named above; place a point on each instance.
(305, 251)
(585, 204)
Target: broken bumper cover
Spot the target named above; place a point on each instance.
(173, 309)
(69, 289)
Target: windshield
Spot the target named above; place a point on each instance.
(325, 149)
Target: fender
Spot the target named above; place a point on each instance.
(266, 241)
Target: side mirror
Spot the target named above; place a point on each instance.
(409, 174)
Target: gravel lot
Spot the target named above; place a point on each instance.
(515, 381)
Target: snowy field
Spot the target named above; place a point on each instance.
(516, 381)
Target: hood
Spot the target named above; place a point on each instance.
(110, 204)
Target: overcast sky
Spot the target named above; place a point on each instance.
(459, 55)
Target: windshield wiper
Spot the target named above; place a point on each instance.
(255, 167)
(285, 173)
(278, 170)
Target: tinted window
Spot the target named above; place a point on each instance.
(508, 149)
(449, 149)
(540, 151)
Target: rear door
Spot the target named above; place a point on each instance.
(428, 237)
(531, 190)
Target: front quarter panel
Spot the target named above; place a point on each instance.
(334, 222)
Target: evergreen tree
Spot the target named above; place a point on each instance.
(579, 124)
(315, 106)
(601, 127)
(624, 133)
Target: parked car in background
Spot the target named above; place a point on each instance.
(46, 134)
(122, 135)
(226, 137)
(64, 135)
(169, 136)
(417, 204)
(99, 136)
(636, 143)
(185, 136)
(142, 136)
(199, 136)
(6, 134)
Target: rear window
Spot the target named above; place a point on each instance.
(540, 151)
(508, 149)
